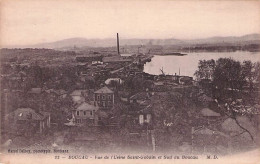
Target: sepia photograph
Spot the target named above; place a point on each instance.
(163, 81)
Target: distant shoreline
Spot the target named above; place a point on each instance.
(172, 54)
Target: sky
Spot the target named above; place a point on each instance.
(29, 22)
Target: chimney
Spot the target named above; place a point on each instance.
(118, 44)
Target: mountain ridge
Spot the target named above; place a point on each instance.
(111, 42)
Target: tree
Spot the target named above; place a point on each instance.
(256, 72)
(171, 119)
(247, 73)
(206, 69)
(228, 76)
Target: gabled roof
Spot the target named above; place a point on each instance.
(27, 114)
(77, 92)
(159, 83)
(147, 110)
(35, 91)
(104, 90)
(209, 113)
(57, 92)
(86, 106)
(230, 125)
(207, 131)
(108, 81)
(140, 95)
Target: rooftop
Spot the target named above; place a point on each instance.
(140, 96)
(104, 90)
(85, 106)
(26, 114)
(35, 91)
(209, 113)
(77, 92)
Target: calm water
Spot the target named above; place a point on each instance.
(189, 64)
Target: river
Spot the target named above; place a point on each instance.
(188, 64)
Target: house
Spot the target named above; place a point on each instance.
(60, 93)
(206, 100)
(145, 116)
(85, 114)
(96, 62)
(159, 86)
(111, 80)
(139, 97)
(23, 119)
(14, 80)
(35, 91)
(206, 112)
(128, 54)
(209, 140)
(78, 96)
(185, 80)
(104, 98)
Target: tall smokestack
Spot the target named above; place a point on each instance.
(117, 44)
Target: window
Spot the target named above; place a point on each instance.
(109, 97)
(77, 113)
(109, 103)
(98, 97)
(145, 117)
(103, 97)
(104, 104)
(91, 113)
(85, 113)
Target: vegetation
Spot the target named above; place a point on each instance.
(231, 80)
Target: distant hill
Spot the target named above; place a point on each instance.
(229, 39)
(110, 42)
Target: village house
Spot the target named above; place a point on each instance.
(35, 91)
(78, 96)
(128, 54)
(209, 140)
(23, 119)
(111, 80)
(145, 116)
(209, 115)
(159, 86)
(85, 114)
(104, 98)
(185, 80)
(139, 97)
(60, 93)
(206, 112)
